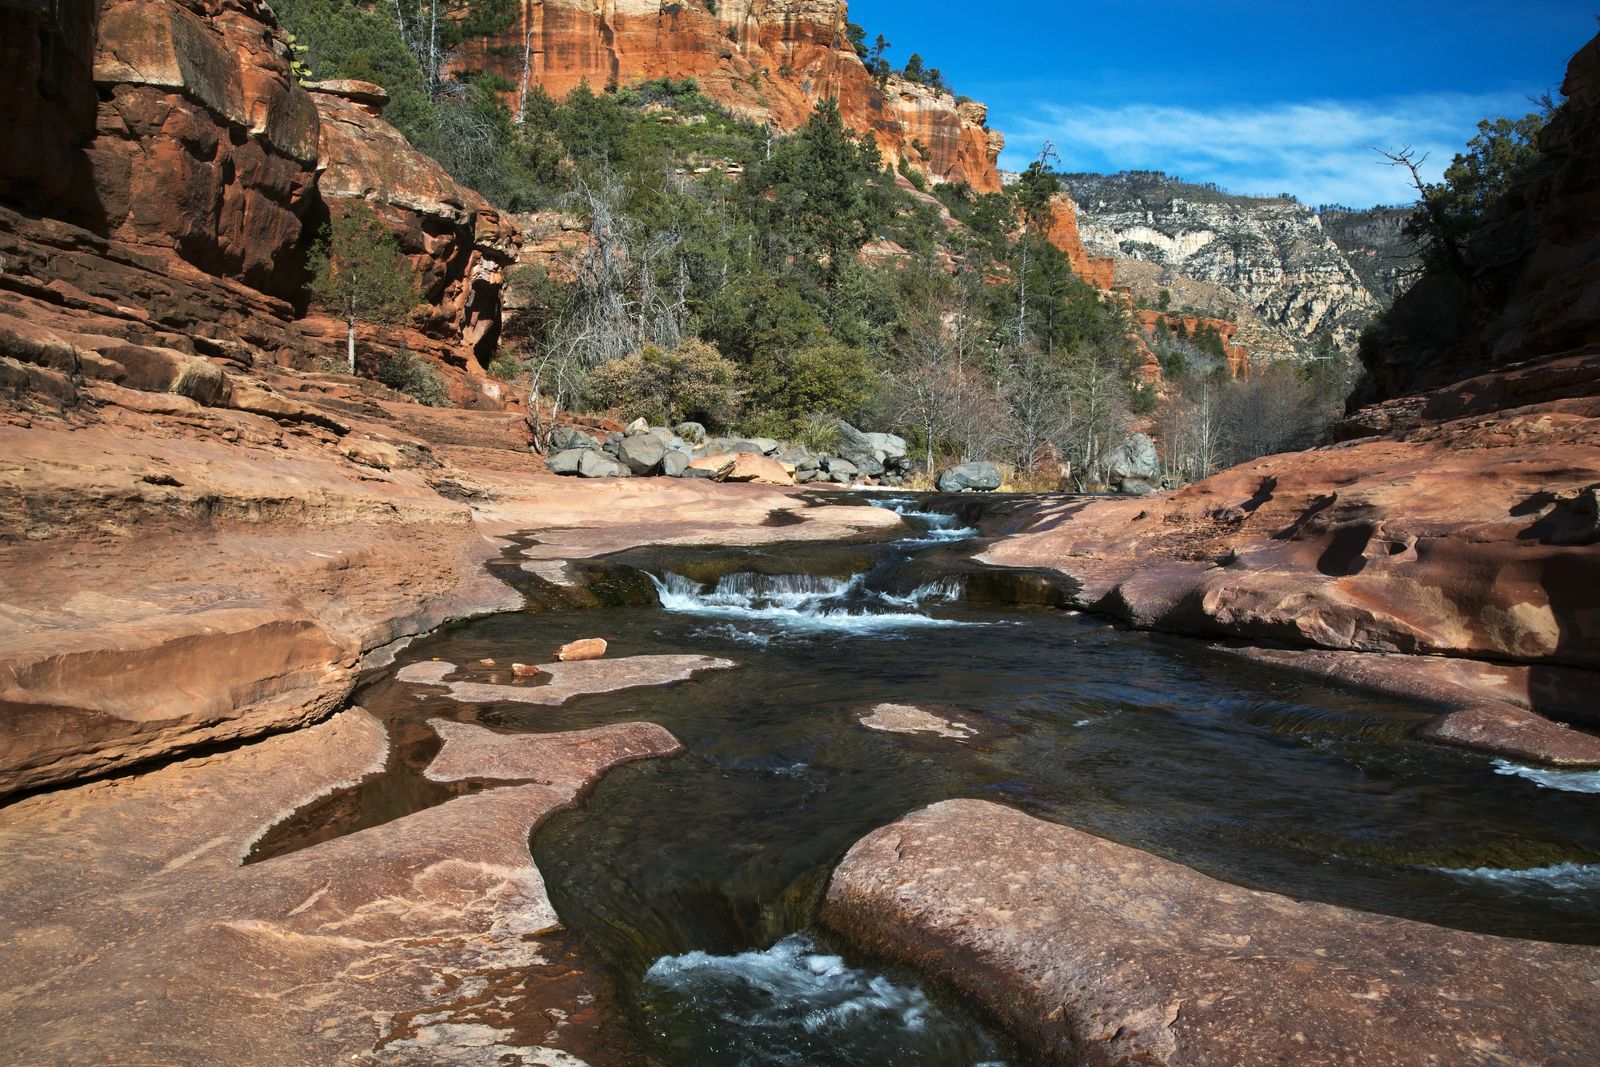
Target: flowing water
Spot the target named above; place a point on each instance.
(697, 878)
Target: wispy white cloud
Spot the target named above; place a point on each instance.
(1316, 150)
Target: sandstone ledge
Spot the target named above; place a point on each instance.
(425, 940)
(1090, 952)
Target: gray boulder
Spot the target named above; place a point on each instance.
(727, 446)
(642, 454)
(637, 428)
(567, 461)
(563, 438)
(692, 432)
(1135, 487)
(840, 465)
(979, 477)
(864, 449)
(596, 465)
(674, 463)
(767, 445)
(1134, 459)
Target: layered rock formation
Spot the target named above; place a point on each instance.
(458, 244)
(767, 60)
(176, 141)
(1464, 530)
(1275, 256)
(1063, 232)
(1097, 954)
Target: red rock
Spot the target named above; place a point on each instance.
(1515, 732)
(577, 651)
(458, 244)
(1149, 321)
(1457, 538)
(744, 467)
(377, 945)
(768, 63)
(520, 670)
(1062, 231)
(1093, 953)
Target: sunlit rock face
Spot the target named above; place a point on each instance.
(766, 60)
(458, 244)
(1275, 256)
(204, 142)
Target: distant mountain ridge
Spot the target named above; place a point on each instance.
(1298, 281)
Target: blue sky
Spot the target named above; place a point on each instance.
(1258, 96)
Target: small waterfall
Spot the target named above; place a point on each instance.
(806, 603)
(938, 528)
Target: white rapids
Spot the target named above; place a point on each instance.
(801, 602)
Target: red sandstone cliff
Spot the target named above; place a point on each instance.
(768, 60)
(175, 132)
(1062, 231)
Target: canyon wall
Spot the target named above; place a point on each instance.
(766, 60)
(1274, 256)
(177, 132)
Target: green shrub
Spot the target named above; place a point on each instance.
(505, 366)
(820, 434)
(691, 383)
(825, 377)
(405, 373)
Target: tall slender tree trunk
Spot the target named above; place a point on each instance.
(350, 343)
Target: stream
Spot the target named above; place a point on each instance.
(696, 879)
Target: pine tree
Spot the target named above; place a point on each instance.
(357, 268)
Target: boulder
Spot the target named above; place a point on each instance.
(1094, 953)
(522, 670)
(1135, 487)
(743, 467)
(166, 370)
(710, 466)
(637, 428)
(1134, 459)
(979, 477)
(752, 468)
(563, 438)
(767, 445)
(729, 445)
(596, 465)
(674, 464)
(569, 461)
(692, 432)
(586, 649)
(836, 466)
(641, 454)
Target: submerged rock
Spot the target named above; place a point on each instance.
(906, 719)
(1095, 953)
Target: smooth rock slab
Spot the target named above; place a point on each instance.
(1094, 953)
(472, 751)
(905, 719)
(568, 681)
(132, 934)
(1516, 732)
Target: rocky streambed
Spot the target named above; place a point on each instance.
(1048, 807)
